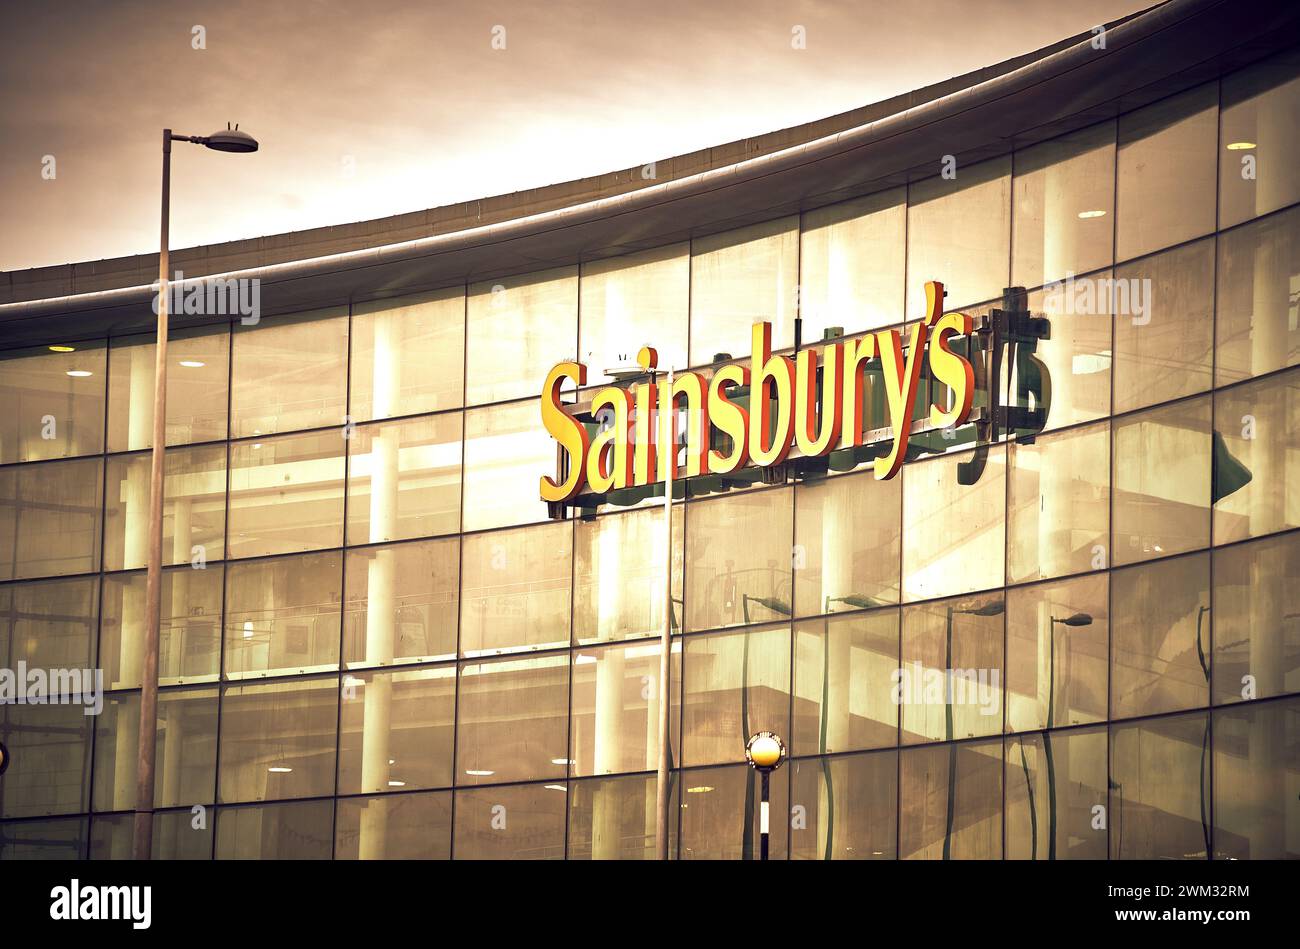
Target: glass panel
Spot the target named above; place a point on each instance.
(1159, 802)
(394, 827)
(1256, 773)
(720, 814)
(194, 507)
(283, 616)
(846, 553)
(404, 479)
(1259, 135)
(959, 233)
(615, 714)
(397, 731)
(50, 518)
(277, 740)
(951, 802)
(515, 823)
(290, 372)
(49, 759)
(54, 402)
(1166, 170)
(614, 819)
(408, 355)
(198, 376)
(62, 839)
(734, 685)
(518, 328)
(401, 603)
(844, 808)
(739, 278)
(301, 831)
(513, 721)
(1077, 356)
(1055, 781)
(1161, 482)
(1163, 349)
(189, 645)
(738, 556)
(48, 625)
(515, 590)
(950, 679)
(1063, 202)
(618, 575)
(851, 264)
(1160, 637)
(286, 494)
(844, 673)
(1256, 619)
(1256, 437)
(629, 302)
(185, 750)
(955, 534)
(175, 837)
(1058, 642)
(506, 453)
(1259, 298)
(1059, 521)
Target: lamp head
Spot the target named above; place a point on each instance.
(1078, 619)
(4, 757)
(231, 140)
(765, 751)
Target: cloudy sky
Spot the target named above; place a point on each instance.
(372, 108)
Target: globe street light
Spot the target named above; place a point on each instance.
(4, 758)
(226, 140)
(765, 752)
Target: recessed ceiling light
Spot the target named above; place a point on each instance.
(192, 364)
(1240, 146)
(554, 787)
(474, 772)
(699, 789)
(1085, 215)
(279, 770)
(63, 349)
(80, 373)
(560, 761)
(397, 784)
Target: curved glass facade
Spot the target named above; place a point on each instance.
(376, 645)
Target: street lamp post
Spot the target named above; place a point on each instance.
(1076, 619)
(764, 752)
(227, 140)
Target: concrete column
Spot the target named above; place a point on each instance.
(837, 581)
(609, 692)
(381, 609)
(173, 719)
(1060, 223)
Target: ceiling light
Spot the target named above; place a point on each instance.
(63, 349)
(1085, 215)
(476, 773)
(80, 373)
(699, 789)
(279, 769)
(192, 364)
(1240, 146)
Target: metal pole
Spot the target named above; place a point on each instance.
(668, 442)
(763, 815)
(143, 839)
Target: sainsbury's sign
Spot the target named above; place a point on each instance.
(791, 406)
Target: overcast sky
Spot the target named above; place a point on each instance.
(372, 108)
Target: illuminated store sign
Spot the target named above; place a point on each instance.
(755, 416)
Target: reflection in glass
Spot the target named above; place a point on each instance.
(49, 769)
(959, 233)
(851, 264)
(61, 839)
(278, 740)
(290, 372)
(198, 371)
(950, 679)
(1258, 139)
(50, 518)
(404, 479)
(1256, 619)
(515, 591)
(1063, 203)
(189, 643)
(407, 355)
(1055, 782)
(1258, 318)
(1256, 771)
(1166, 170)
(629, 302)
(1159, 800)
(194, 507)
(738, 559)
(1077, 355)
(846, 553)
(286, 494)
(720, 814)
(298, 831)
(1257, 436)
(174, 837)
(843, 683)
(951, 802)
(512, 721)
(396, 733)
(394, 827)
(401, 603)
(1161, 482)
(1160, 637)
(615, 716)
(844, 808)
(524, 822)
(733, 685)
(739, 278)
(49, 624)
(54, 402)
(618, 575)
(517, 329)
(1059, 520)
(506, 451)
(283, 615)
(1058, 637)
(614, 818)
